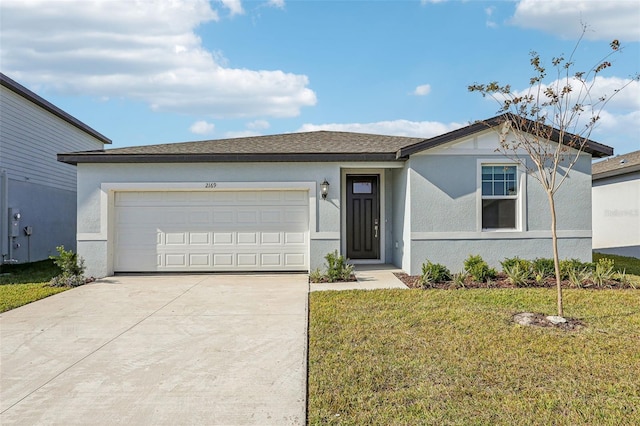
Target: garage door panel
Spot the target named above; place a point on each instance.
(223, 238)
(173, 260)
(199, 238)
(216, 231)
(247, 260)
(294, 238)
(223, 260)
(271, 238)
(295, 259)
(199, 259)
(222, 217)
(247, 238)
(176, 238)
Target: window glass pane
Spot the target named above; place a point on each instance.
(499, 214)
(487, 188)
(362, 187)
(498, 188)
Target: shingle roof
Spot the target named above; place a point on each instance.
(48, 106)
(309, 146)
(615, 166)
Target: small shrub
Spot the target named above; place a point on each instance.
(603, 272)
(337, 267)
(516, 274)
(68, 262)
(433, 273)
(72, 268)
(479, 269)
(315, 276)
(567, 266)
(457, 279)
(543, 267)
(625, 280)
(578, 276)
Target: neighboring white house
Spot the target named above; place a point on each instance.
(256, 203)
(37, 193)
(616, 205)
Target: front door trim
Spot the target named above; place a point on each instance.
(383, 221)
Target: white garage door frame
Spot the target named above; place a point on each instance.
(107, 204)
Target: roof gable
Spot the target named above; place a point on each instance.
(594, 148)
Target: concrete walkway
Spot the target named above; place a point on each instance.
(370, 277)
(159, 350)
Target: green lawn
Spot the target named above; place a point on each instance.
(26, 283)
(453, 357)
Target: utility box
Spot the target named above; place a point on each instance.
(14, 223)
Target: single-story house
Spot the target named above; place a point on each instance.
(616, 205)
(259, 203)
(37, 193)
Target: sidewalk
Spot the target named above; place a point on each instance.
(370, 277)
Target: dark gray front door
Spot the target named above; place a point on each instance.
(363, 217)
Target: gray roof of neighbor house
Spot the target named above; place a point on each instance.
(615, 166)
(309, 146)
(48, 106)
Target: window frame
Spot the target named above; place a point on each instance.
(519, 197)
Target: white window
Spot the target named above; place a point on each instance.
(499, 196)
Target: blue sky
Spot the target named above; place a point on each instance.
(147, 72)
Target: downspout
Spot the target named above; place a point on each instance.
(4, 220)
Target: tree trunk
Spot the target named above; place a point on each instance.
(556, 258)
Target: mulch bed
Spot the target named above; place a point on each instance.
(501, 281)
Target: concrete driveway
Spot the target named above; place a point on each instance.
(168, 349)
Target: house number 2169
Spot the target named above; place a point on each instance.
(210, 185)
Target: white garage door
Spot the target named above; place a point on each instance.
(211, 231)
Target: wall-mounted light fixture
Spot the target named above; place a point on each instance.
(324, 189)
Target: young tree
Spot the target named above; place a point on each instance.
(551, 123)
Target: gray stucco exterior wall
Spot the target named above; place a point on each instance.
(445, 209)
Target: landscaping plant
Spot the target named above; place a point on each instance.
(338, 269)
(72, 268)
(433, 273)
(478, 269)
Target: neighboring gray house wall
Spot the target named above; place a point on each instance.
(32, 181)
(616, 205)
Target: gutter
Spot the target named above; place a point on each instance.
(104, 157)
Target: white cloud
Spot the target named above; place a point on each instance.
(420, 129)
(145, 51)
(258, 125)
(202, 128)
(607, 20)
(276, 3)
(489, 12)
(422, 90)
(234, 6)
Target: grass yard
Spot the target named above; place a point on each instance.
(26, 283)
(453, 357)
